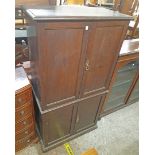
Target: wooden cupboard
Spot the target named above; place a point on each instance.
(73, 52)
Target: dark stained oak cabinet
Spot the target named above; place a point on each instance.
(73, 52)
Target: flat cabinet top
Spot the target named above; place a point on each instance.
(65, 12)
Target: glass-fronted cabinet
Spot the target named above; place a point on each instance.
(124, 78)
(124, 87)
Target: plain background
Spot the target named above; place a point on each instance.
(147, 77)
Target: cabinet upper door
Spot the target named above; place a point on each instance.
(60, 55)
(104, 43)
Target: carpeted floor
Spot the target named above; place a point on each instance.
(117, 134)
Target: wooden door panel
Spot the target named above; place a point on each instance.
(58, 123)
(87, 112)
(98, 78)
(102, 52)
(63, 49)
(102, 45)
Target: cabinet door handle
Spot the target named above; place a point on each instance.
(87, 65)
(77, 118)
(28, 140)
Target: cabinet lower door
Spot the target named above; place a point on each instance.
(87, 113)
(57, 124)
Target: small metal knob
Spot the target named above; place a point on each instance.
(77, 118)
(24, 122)
(28, 141)
(87, 65)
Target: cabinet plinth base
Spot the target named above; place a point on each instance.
(63, 141)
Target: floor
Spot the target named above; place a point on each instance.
(117, 134)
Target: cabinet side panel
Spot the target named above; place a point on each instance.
(32, 31)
